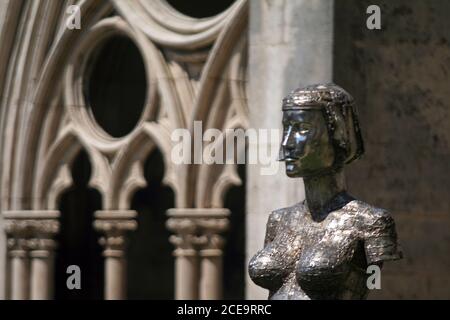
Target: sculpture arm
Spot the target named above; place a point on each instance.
(380, 238)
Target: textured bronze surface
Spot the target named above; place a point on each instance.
(320, 248)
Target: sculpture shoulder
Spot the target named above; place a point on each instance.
(369, 215)
(276, 217)
(378, 233)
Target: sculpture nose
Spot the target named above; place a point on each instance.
(288, 142)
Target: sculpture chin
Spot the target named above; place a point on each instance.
(293, 170)
(292, 174)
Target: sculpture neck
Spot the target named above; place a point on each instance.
(320, 191)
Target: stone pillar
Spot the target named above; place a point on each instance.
(186, 257)
(114, 225)
(30, 235)
(42, 248)
(198, 251)
(4, 264)
(20, 268)
(211, 256)
(290, 45)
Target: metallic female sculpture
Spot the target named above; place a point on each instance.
(320, 248)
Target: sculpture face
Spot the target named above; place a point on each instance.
(306, 147)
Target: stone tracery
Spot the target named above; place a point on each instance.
(195, 71)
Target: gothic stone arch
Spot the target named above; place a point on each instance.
(195, 69)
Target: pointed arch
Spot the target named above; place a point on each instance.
(55, 176)
(28, 120)
(128, 166)
(215, 179)
(213, 70)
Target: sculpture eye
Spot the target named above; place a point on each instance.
(302, 129)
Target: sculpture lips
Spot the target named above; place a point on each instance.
(291, 157)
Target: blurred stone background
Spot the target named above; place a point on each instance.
(400, 78)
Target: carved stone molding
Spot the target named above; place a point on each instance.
(114, 225)
(212, 242)
(31, 230)
(211, 245)
(213, 225)
(184, 240)
(41, 248)
(197, 229)
(17, 248)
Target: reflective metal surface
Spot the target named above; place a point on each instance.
(320, 248)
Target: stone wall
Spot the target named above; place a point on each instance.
(399, 76)
(290, 45)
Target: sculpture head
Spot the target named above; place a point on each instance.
(320, 130)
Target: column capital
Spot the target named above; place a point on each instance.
(30, 230)
(181, 225)
(211, 245)
(198, 212)
(31, 214)
(17, 247)
(41, 248)
(28, 222)
(114, 224)
(185, 239)
(197, 220)
(197, 229)
(18, 228)
(209, 225)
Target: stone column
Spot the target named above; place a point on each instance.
(211, 256)
(42, 248)
(30, 235)
(19, 268)
(114, 225)
(186, 256)
(198, 251)
(290, 45)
